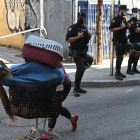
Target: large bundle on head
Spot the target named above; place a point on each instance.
(43, 50)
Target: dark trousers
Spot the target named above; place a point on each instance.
(63, 111)
(120, 51)
(83, 61)
(133, 59)
(80, 71)
(119, 59)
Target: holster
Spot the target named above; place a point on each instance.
(75, 54)
(70, 51)
(79, 53)
(119, 44)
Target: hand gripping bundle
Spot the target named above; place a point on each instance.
(42, 50)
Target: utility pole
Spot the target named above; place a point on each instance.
(99, 32)
(112, 47)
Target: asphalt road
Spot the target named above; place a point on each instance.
(104, 114)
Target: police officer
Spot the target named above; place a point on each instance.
(118, 27)
(134, 37)
(78, 37)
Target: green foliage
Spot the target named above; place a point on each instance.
(9, 46)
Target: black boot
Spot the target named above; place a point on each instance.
(118, 76)
(82, 90)
(123, 76)
(76, 92)
(135, 70)
(130, 72)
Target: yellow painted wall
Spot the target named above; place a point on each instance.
(16, 41)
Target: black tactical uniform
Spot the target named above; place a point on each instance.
(134, 37)
(79, 49)
(119, 39)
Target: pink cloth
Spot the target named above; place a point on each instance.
(66, 79)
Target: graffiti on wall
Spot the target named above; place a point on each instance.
(56, 13)
(22, 14)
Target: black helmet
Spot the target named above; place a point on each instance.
(128, 46)
(134, 53)
(136, 46)
(88, 61)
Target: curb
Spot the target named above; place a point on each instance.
(108, 83)
(5, 61)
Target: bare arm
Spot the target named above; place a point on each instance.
(115, 29)
(73, 39)
(137, 30)
(118, 28)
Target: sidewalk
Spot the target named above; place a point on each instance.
(95, 76)
(99, 75)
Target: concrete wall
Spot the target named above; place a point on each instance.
(23, 15)
(57, 19)
(11, 21)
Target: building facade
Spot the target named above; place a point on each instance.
(21, 15)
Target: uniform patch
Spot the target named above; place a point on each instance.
(83, 29)
(69, 29)
(113, 21)
(132, 22)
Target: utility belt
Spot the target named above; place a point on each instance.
(119, 44)
(79, 51)
(121, 40)
(135, 40)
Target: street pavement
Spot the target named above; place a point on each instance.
(104, 114)
(107, 113)
(95, 76)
